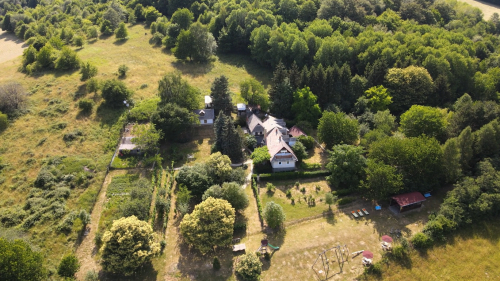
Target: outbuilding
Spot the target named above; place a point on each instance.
(407, 201)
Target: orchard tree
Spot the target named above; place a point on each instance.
(274, 215)
(346, 165)
(235, 195)
(18, 262)
(173, 89)
(423, 120)
(209, 225)
(337, 128)
(195, 178)
(329, 199)
(127, 246)
(381, 180)
(305, 106)
(254, 93)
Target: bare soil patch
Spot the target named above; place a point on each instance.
(10, 46)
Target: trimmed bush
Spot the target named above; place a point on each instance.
(122, 70)
(216, 263)
(249, 267)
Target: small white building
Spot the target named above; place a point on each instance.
(242, 109)
(126, 145)
(208, 102)
(206, 116)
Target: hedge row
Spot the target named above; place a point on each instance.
(293, 175)
(342, 192)
(345, 200)
(310, 166)
(257, 198)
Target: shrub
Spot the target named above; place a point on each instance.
(345, 200)
(92, 275)
(274, 215)
(85, 105)
(122, 70)
(270, 187)
(309, 166)
(87, 71)
(115, 92)
(69, 266)
(399, 252)
(68, 59)
(267, 256)
(421, 241)
(216, 263)
(163, 244)
(375, 269)
(342, 192)
(257, 198)
(288, 193)
(303, 190)
(307, 141)
(4, 122)
(249, 267)
(13, 97)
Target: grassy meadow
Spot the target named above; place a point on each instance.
(52, 112)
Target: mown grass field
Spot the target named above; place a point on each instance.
(36, 135)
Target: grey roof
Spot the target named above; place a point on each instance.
(126, 143)
(205, 114)
(253, 121)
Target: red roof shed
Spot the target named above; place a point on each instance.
(296, 132)
(408, 201)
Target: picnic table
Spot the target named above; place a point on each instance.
(239, 247)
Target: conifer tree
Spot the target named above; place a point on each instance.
(281, 93)
(221, 98)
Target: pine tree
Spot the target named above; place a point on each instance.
(220, 131)
(281, 93)
(221, 98)
(295, 77)
(227, 139)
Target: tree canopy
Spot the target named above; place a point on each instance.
(209, 225)
(423, 120)
(173, 89)
(128, 245)
(305, 106)
(337, 128)
(274, 215)
(347, 166)
(19, 262)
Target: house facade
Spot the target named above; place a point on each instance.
(282, 156)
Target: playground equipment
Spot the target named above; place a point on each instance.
(264, 243)
(327, 257)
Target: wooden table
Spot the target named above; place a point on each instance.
(239, 247)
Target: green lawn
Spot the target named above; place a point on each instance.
(300, 209)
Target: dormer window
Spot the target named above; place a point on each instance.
(202, 113)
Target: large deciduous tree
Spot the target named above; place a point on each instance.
(254, 93)
(128, 245)
(337, 128)
(347, 166)
(209, 225)
(377, 98)
(173, 89)
(423, 120)
(419, 160)
(381, 180)
(174, 121)
(305, 106)
(409, 86)
(18, 262)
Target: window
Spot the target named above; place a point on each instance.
(287, 162)
(205, 121)
(279, 163)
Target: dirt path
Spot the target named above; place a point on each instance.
(487, 8)
(10, 46)
(87, 250)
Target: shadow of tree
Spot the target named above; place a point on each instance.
(119, 42)
(192, 68)
(144, 273)
(107, 115)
